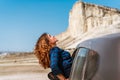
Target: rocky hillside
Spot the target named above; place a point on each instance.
(89, 21)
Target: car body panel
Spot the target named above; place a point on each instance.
(108, 49)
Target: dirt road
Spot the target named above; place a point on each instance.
(22, 68)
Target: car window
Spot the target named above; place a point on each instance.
(85, 64)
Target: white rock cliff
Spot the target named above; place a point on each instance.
(89, 21)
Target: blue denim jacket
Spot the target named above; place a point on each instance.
(60, 61)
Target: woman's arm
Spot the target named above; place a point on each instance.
(54, 61)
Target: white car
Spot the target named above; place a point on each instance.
(97, 59)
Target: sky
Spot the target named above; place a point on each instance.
(23, 21)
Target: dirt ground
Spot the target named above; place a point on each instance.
(22, 68)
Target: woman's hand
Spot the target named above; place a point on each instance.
(61, 77)
(67, 79)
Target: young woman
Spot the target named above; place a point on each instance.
(51, 56)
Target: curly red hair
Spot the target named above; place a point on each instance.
(42, 49)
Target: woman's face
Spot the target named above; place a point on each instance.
(52, 39)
